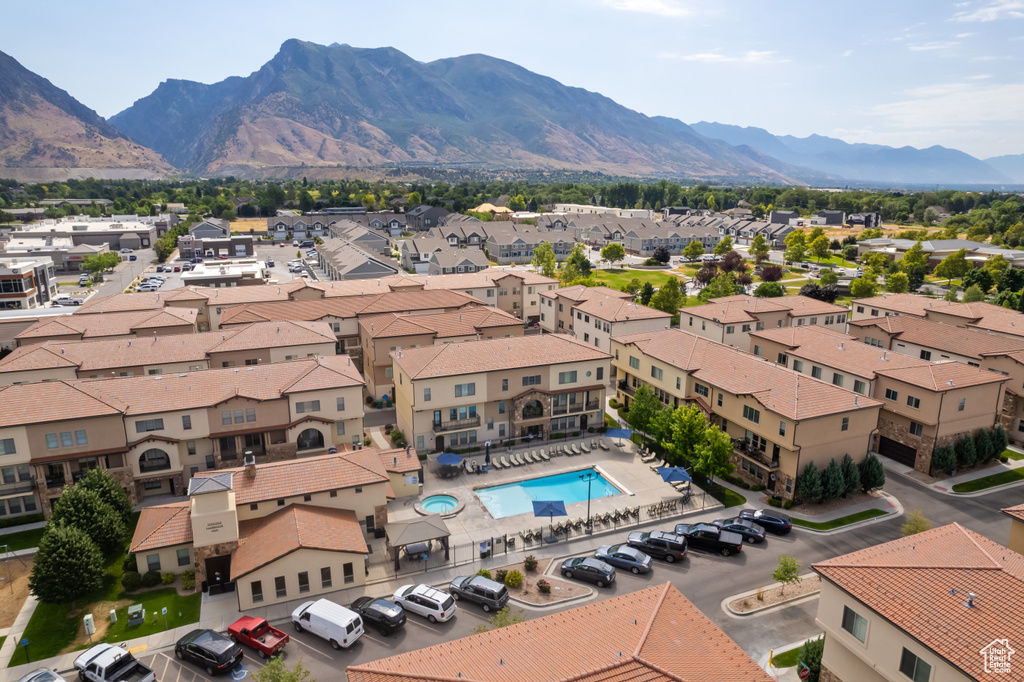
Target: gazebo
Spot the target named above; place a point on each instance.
(411, 533)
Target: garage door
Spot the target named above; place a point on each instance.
(904, 454)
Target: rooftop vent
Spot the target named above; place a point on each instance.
(970, 600)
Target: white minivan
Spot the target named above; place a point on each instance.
(333, 622)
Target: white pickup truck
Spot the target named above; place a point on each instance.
(109, 663)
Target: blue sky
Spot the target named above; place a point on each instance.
(897, 72)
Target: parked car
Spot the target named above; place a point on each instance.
(211, 650)
(258, 634)
(748, 530)
(282, 245)
(385, 615)
(132, 257)
(478, 589)
(187, 267)
(624, 556)
(109, 663)
(295, 242)
(126, 251)
(84, 280)
(148, 287)
(423, 600)
(67, 300)
(307, 243)
(333, 622)
(772, 520)
(709, 536)
(41, 675)
(177, 268)
(659, 544)
(270, 261)
(589, 569)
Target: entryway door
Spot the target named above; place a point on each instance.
(904, 454)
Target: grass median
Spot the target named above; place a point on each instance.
(1011, 476)
(22, 540)
(787, 659)
(841, 521)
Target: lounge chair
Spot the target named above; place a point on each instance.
(647, 458)
(635, 511)
(593, 444)
(495, 463)
(602, 444)
(544, 455)
(583, 447)
(504, 462)
(519, 459)
(657, 465)
(575, 449)
(533, 456)
(515, 460)
(525, 456)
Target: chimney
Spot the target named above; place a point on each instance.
(250, 465)
(970, 600)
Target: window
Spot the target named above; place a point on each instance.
(782, 428)
(783, 359)
(257, 591)
(701, 389)
(51, 440)
(745, 328)
(815, 372)
(426, 395)
(837, 379)
(65, 439)
(149, 425)
(307, 406)
(859, 387)
(757, 350)
(567, 377)
(7, 446)
(389, 372)
(183, 557)
(846, 424)
(914, 668)
(730, 329)
(348, 573)
(926, 355)
(855, 624)
(798, 366)
(325, 577)
(656, 373)
(280, 587)
(239, 416)
(720, 402)
(462, 390)
(634, 362)
(225, 418)
(600, 373)
(250, 414)
(961, 405)
(916, 429)
(81, 438)
(303, 582)
(504, 384)
(913, 402)
(501, 407)
(891, 394)
(340, 428)
(533, 380)
(750, 414)
(186, 422)
(153, 562)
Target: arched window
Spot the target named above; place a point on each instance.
(310, 438)
(533, 409)
(154, 460)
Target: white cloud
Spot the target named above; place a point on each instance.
(936, 45)
(994, 10)
(748, 57)
(980, 77)
(848, 53)
(964, 35)
(663, 8)
(955, 105)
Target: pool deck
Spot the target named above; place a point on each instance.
(621, 466)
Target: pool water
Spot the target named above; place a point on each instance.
(518, 498)
(438, 504)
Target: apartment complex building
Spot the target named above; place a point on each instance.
(924, 404)
(980, 316)
(936, 606)
(459, 395)
(596, 314)
(244, 345)
(153, 432)
(26, 283)
(130, 324)
(778, 419)
(381, 335)
(1016, 514)
(730, 319)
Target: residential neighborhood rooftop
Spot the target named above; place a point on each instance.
(466, 322)
(940, 336)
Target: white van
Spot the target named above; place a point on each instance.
(328, 620)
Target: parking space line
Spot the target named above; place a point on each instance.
(425, 626)
(313, 649)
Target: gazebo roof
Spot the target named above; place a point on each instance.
(428, 528)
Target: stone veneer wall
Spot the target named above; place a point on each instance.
(827, 675)
(201, 554)
(1008, 417)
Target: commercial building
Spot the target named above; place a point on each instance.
(459, 395)
(239, 272)
(116, 232)
(730, 319)
(778, 419)
(154, 432)
(596, 314)
(212, 238)
(939, 605)
(132, 324)
(65, 254)
(26, 283)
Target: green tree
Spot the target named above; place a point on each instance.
(816, 233)
(414, 199)
(723, 284)
(82, 508)
(872, 473)
(500, 619)
(101, 482)
(688, 432)
(953, 295)
(576, 265)
(851, 474)
(953, 266)
(973, 294)
(787, 571)
(915, 264)
(850, 252)
(982, 278)
(833, 485)
(810, 655)
(276, 671)
(862, 287)
(711, 456)
(759, 248)
(999, 440)
(646, 293)
(669, 298)
(820, 248)
(829, 276)
(68, 565)
(897, 283)
(966, 455)
(808, 483)
(694, 249)
(796, 247)
(613, 253)
(100, 262)
(916, 523)
(769, 290)
(633, 287)
(661, 255)
(723, 247)
(943, 459)
(642, 407)
(711, 203)
(544, 259)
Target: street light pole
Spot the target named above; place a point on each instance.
(589, 478)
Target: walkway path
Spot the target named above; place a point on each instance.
(18, 529)
(945, 486)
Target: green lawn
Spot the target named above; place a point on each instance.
(727, 497)
(617, 278)
(841, 521)
(1011, 476)
(22, 539)
(786, 659)
(1011, 454)
(153, 602)
(835, 261)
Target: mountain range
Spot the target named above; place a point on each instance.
(327, 106)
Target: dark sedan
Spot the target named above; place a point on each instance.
(214, 652)
(589, 569)
(707, 536)
(772, 520)
(624, 556)
(750, 531)
(384, 615)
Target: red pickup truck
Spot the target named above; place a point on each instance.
(259, 634)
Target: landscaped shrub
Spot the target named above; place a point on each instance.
(398, 438)
(530, 564)
(150, 579)
(544, 586)
(774, 501)
(500, 574)
(833, 485)
(872, 473)
(999, 439)
(810, 655)
(35, 518)
(367, 441)
(388, 428)
(131, 563)
(167, 578)
(131, 581)
(188, 581)
(484, 573)
(983, 446)
(966, 455)
(613, 403)
(943, 459)
(787, 504)
(514, 578)
(808, 483)
(851, 474)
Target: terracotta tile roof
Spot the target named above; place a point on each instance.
(1015, 512)
(165, 525)
(51, 401)
(118, 303)
(110, 324)
(276, 335)
(920, 584)
(615, 309)
(905, 304)
(297, 526)
(783, 391)
(943, 376)
(1005, 322)
(465, 322)
(582, 293)
(46, 355)
(943, 337)
(651, 634)
(740, 308)
(399, 462)
(275, 480)
(492, 355)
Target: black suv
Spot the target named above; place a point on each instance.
(660, 544)
(707, 536)
(485, 592)
(214, 652)
(382, 614)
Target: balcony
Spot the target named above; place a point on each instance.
(556, 411)
(16, 487)
(762, 458)
(55, 481)
(456, 424)
(626, 388)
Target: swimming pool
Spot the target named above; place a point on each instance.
(518, 498)
(439, 504)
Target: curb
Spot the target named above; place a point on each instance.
(948, 489)
(898, 510)
(773, 607)
(763, 661)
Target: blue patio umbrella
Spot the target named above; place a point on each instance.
(673, 474)
(549, 508)
(619, 433)
(449, 459)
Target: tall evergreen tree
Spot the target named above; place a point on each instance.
(851, 474)
(67, 566)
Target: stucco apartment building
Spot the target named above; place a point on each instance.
(778, 419)
(129, 324)
(154, 432)
(980, 316)
(1016, 514)
(596, 314)
(730, 319)
(925, 404)
(280, 531)
(381, 335)
(245, 345)
(460, 395)
(938, 606)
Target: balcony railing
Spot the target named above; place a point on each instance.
(561, 409)
(150, 467)
(754, 454)
(56, 481)
(16, 487)
(626, 388)
(456, 424)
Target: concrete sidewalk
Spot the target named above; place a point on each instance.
(945, 486)
(19, 529)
